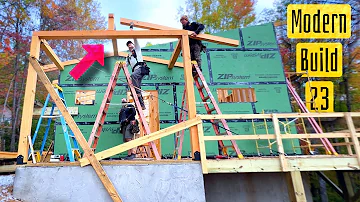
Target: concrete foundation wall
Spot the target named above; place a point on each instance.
(134, 183)
(254, 187)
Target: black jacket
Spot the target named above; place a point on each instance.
(195, 27)
(128, 113)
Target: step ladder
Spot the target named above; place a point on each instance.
(104, 107)
(143, 122)
(327, 144)
(68, 134)
(207, 96)
(100, 118)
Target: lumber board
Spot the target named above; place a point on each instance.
(154, 122)
(143, 140)
(175, 55)
(78, 135)
(295, 186)
(52, 67)
(8, 155)
(204, 37)
(8, 168)
(280, 115)
(272, 164)
(202, 148)
(29, 98)
(72, 111)
(190, 94)
(111, 26)
(354, 137)
(51, 54)
(109, 34)
(271, 136)
(279, 143)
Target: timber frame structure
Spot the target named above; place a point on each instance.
(290, 165)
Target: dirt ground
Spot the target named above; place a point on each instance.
(6, 187)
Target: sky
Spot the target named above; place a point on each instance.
(162, 12)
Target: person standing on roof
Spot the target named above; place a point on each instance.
(129, 126)
(196, 45)
(138, 66)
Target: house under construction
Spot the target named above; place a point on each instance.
(227, 134)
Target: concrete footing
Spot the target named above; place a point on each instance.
(134, 183)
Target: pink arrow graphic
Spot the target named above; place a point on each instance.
(95, 53)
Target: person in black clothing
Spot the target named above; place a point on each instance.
(196, 46)
(128, 125)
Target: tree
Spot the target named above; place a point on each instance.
(17, 19)
(219, 15)
(148, 44)
(70, 15)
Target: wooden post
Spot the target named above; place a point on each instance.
(295, 186)
(29, 98)
(190, 95)
(202, 149)
(280, 147)
(89, 154)
(354, 137)
(111, 26)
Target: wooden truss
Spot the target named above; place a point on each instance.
(35, 70)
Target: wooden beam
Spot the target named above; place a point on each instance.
(52, 67)
(280, 147)
(272, 164)
(354, 137)
(111, 26)
(109, 34)
(270, 136)
(143, 140)
(89, 154)
(175, 55)
(8, 155)
(29, 98)
(280, 115)
(51, 54)
(295, 186)
(204, 37)
(71, 110)
(8, 168)
(190, 94)
(202, 148)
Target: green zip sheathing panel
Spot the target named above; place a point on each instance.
(255, 63)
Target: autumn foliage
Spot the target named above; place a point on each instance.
(18, 18)
(220, 15)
